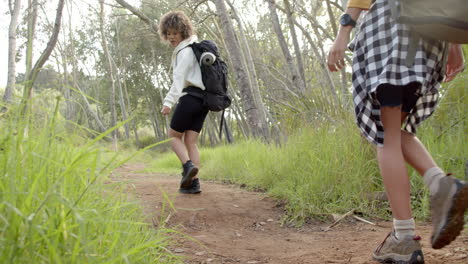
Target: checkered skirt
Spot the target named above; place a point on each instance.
(380, 49)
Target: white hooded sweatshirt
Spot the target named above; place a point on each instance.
(186, 71)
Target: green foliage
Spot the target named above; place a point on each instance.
(168, 163)
(320, 170)
(451, 111)
(324, 168)
(55, 208)
(145, 141)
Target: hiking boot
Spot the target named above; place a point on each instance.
(448, 206)
(194, 188)
(406, 250)
(189, 172)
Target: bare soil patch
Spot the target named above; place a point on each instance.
(228, 224)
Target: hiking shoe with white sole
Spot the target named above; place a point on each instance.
(406, 250)
(448, 207)
(187, 175)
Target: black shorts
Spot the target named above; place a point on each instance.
(393, 95)
(189, 114)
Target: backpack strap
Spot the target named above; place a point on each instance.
(412, 48)
(414, 38)
(196, 51)
(194, 91)
(394, 9)
(179, 52)
(444, 59)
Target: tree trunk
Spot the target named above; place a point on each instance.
(12, 31)
(254, 111)
(210, 128)
(296, 78)
(253, 72)
(154, 116)
(160, 93)
(133, 122)
(87, 106)
(297, 49)
(69, 110)
(326, 73)
(242, 124)
(332, 18)
(32, 18)
(123, 104)
(70, 103)
(227, 130)
(31, 77)
(111, 74)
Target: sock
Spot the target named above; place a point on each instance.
(432, 177)
(403, 227)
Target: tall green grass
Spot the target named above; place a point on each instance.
(55, 207)
(321, 170)
(327, 167)
(317, 172)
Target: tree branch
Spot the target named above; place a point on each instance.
(153, 25)
(50, 45)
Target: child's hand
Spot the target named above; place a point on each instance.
(165, 110)
(454, 62)
(336, 54)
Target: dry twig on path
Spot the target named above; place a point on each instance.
(340, 219)
(363, 220)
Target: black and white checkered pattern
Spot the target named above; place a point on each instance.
(380, 49)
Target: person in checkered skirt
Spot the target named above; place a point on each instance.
(391, 98)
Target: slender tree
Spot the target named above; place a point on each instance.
(75, 81)
(12, 31)
(333, 23)
(296, 78)
(321, 59)
(111, 72)
(297, 49)
(31, 22)
(31, 77)
(255, 113)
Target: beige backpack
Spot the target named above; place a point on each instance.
(437, 19)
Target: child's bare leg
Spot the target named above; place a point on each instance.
(414, 151)
(178, 145)
(420, 159)
(392, 164)
(190, 140)
(449, 196)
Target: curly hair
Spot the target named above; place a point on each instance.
(178, 21)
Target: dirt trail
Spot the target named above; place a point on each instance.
(232, 225)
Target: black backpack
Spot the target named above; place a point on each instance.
(214, 77)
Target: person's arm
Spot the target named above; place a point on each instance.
(455, 62)
(184, 62)
(336, 54)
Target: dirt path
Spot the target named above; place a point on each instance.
(232, 225)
